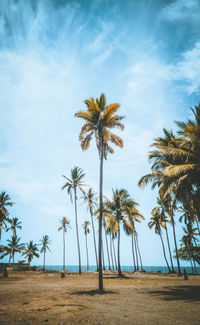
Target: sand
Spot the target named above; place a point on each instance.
(45, 298)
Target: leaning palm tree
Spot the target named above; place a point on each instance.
(64, 225)
(45, 242)
(30, 251)
(156, 221)
(91, 199)
(86, 232)
(99, 119)
(14, 246)
(72, 185)
(14, 225)
(5, 202)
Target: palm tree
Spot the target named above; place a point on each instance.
(165, 220)
(169, 189)
(64, 224)
(14, 224)
(73, 184)
(30, 250)
(5, 201)
(14, 246)
(45, 242)
(156, 221)
(86, 232)
(99, 119)
(117, 207)
(112, 229)
(91, 199)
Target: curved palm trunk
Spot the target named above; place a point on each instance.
(0, 234)
(118, 253)
(114, 254)
(87, 252)
(170, 254)
(139, 255)
(111, 254)
(107, 251)
(77, 236)
(44, 262)
(93, 230)
(192, 266)
(100, 214)
(63, 249)
(177, 256)
(136, 254)
(164, 251)
(133, 253)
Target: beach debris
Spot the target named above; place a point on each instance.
(62, 274)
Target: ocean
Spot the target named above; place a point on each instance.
(92, 268)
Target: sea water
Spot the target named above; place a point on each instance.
(93, 268)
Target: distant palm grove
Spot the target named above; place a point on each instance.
(175, 174)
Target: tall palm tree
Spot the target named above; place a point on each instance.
(99, 119)
(45, 242)
(72, 185)
(30, 250)
(64, 225)
(14, 246)
(91, 199)
(86, 232)
(5, 202)
(14, 225)
(156, 221)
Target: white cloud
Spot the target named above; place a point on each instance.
(179, 10)
(188, 69)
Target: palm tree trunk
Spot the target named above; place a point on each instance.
(13, 257)
(103, 260)
(118, 253)
(192, 266)
(100, 213)
(114, 254)
(136, 254)
(93, 230)
(44, 262)
(174, 233)
(170, 254)
(139, 254)
(87, 253)
(107, 251)
(111, 254)
(63, 249)
(195, 267)
(77, 236)
(0, 234)
(164, 251)
(133, 253)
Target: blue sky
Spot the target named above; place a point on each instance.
(143, 54)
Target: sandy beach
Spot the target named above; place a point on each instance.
(40, 298)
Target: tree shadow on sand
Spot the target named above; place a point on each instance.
(94, 292)
(186, 293)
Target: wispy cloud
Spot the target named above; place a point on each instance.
(181, 10)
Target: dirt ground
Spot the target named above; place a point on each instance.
(46, 298)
